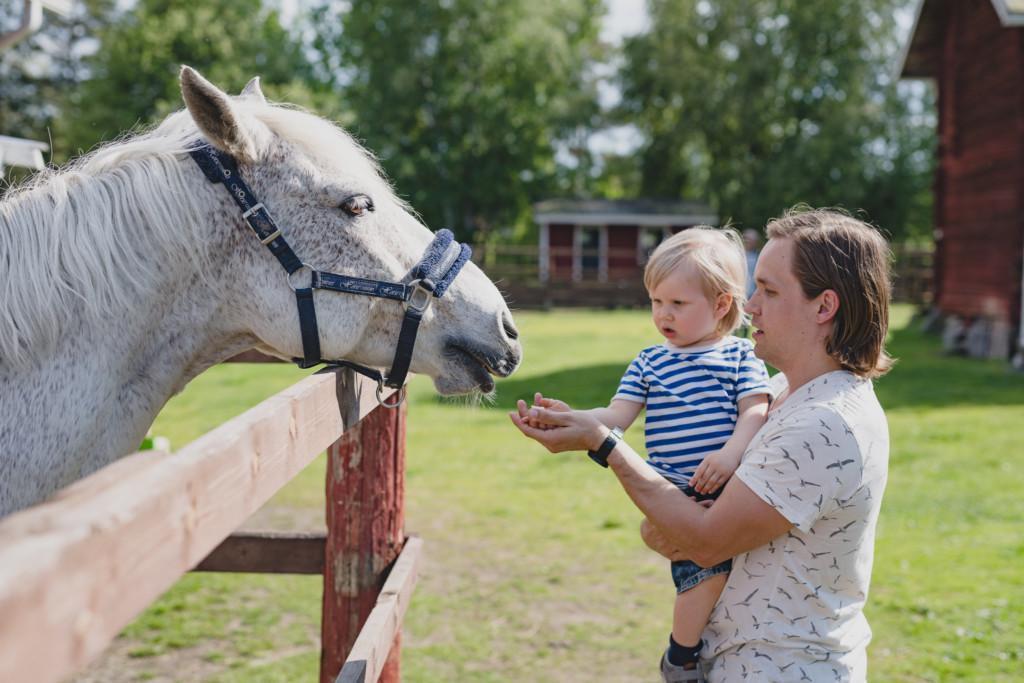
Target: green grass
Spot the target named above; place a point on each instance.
(533, 568)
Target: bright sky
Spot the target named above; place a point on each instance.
(624, 18)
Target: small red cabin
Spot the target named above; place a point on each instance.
(974, 50)
(605, 240)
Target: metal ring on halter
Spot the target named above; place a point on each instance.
(304, 266)
(380, 399)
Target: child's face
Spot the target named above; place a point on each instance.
(682, 311)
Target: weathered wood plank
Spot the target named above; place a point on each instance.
(372, 649)
(268, 553)
(365, 519)
(78, 568)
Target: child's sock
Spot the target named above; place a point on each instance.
(681, 655)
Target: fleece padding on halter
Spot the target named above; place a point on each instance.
(442, 261)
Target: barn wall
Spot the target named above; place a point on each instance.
(622, 246)
(560, 240)
(980, 179)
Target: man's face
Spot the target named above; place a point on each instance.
(784, 320)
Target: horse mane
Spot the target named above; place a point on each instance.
(66, 235)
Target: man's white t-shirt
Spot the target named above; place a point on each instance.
(792, 610)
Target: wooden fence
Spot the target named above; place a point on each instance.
(516, 270)
(78, 568)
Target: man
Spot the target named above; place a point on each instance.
(799, 515)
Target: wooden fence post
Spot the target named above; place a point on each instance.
(365, 532)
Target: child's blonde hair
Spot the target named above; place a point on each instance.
(718, 257)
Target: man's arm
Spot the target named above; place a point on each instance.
(739, 521)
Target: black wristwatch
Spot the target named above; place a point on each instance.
(600, 456)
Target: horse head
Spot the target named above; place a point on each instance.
(339, 215)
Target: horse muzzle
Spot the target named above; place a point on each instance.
(483, 361)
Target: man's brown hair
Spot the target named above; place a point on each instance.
(833, 250)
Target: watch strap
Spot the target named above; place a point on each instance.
(600, 456)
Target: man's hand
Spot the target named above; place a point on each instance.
(657, 541)
(714, 472)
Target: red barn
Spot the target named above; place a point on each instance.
(603, 240)
(974, 50)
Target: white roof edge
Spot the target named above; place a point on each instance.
(61, 7)
(905, 51)
(644, 219)
(20, 142)
(1007, 17)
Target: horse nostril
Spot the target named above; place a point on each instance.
(510, 330)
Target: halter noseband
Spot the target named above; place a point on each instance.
(430, 278)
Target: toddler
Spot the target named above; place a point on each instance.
(705, 396)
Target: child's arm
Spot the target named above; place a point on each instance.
(718, 467)
(619, 413)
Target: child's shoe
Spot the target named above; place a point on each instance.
(672, 673)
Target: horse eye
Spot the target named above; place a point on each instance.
(357, 205)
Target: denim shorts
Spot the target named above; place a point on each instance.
(687, 574)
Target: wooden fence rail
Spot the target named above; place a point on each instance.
(517, 270)
(79, 567)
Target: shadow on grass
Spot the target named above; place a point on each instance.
(925, 377)
(585, 387)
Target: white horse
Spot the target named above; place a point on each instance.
(128, 273)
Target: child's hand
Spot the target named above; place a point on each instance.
(539, 401)
(714, 472)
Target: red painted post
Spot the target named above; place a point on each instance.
(365, 519)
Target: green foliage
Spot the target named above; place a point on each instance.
(465, 101)
(134, 74)
(479, 108)
(759, 105)
(36, 73)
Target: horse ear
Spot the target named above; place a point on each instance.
(253, 90)
(216, 116)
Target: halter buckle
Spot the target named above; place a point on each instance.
(422, 294)
(271, 237)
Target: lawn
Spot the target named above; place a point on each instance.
(534, 571)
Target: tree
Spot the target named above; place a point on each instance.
(759, 104)
(467, 101)
(133, 76)
(36, 72)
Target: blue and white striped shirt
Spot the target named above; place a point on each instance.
(691, 396)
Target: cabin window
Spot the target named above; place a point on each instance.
(649, 239)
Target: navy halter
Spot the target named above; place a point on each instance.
(429, 279)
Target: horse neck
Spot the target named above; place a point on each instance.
(178, 324)
(107, 369)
